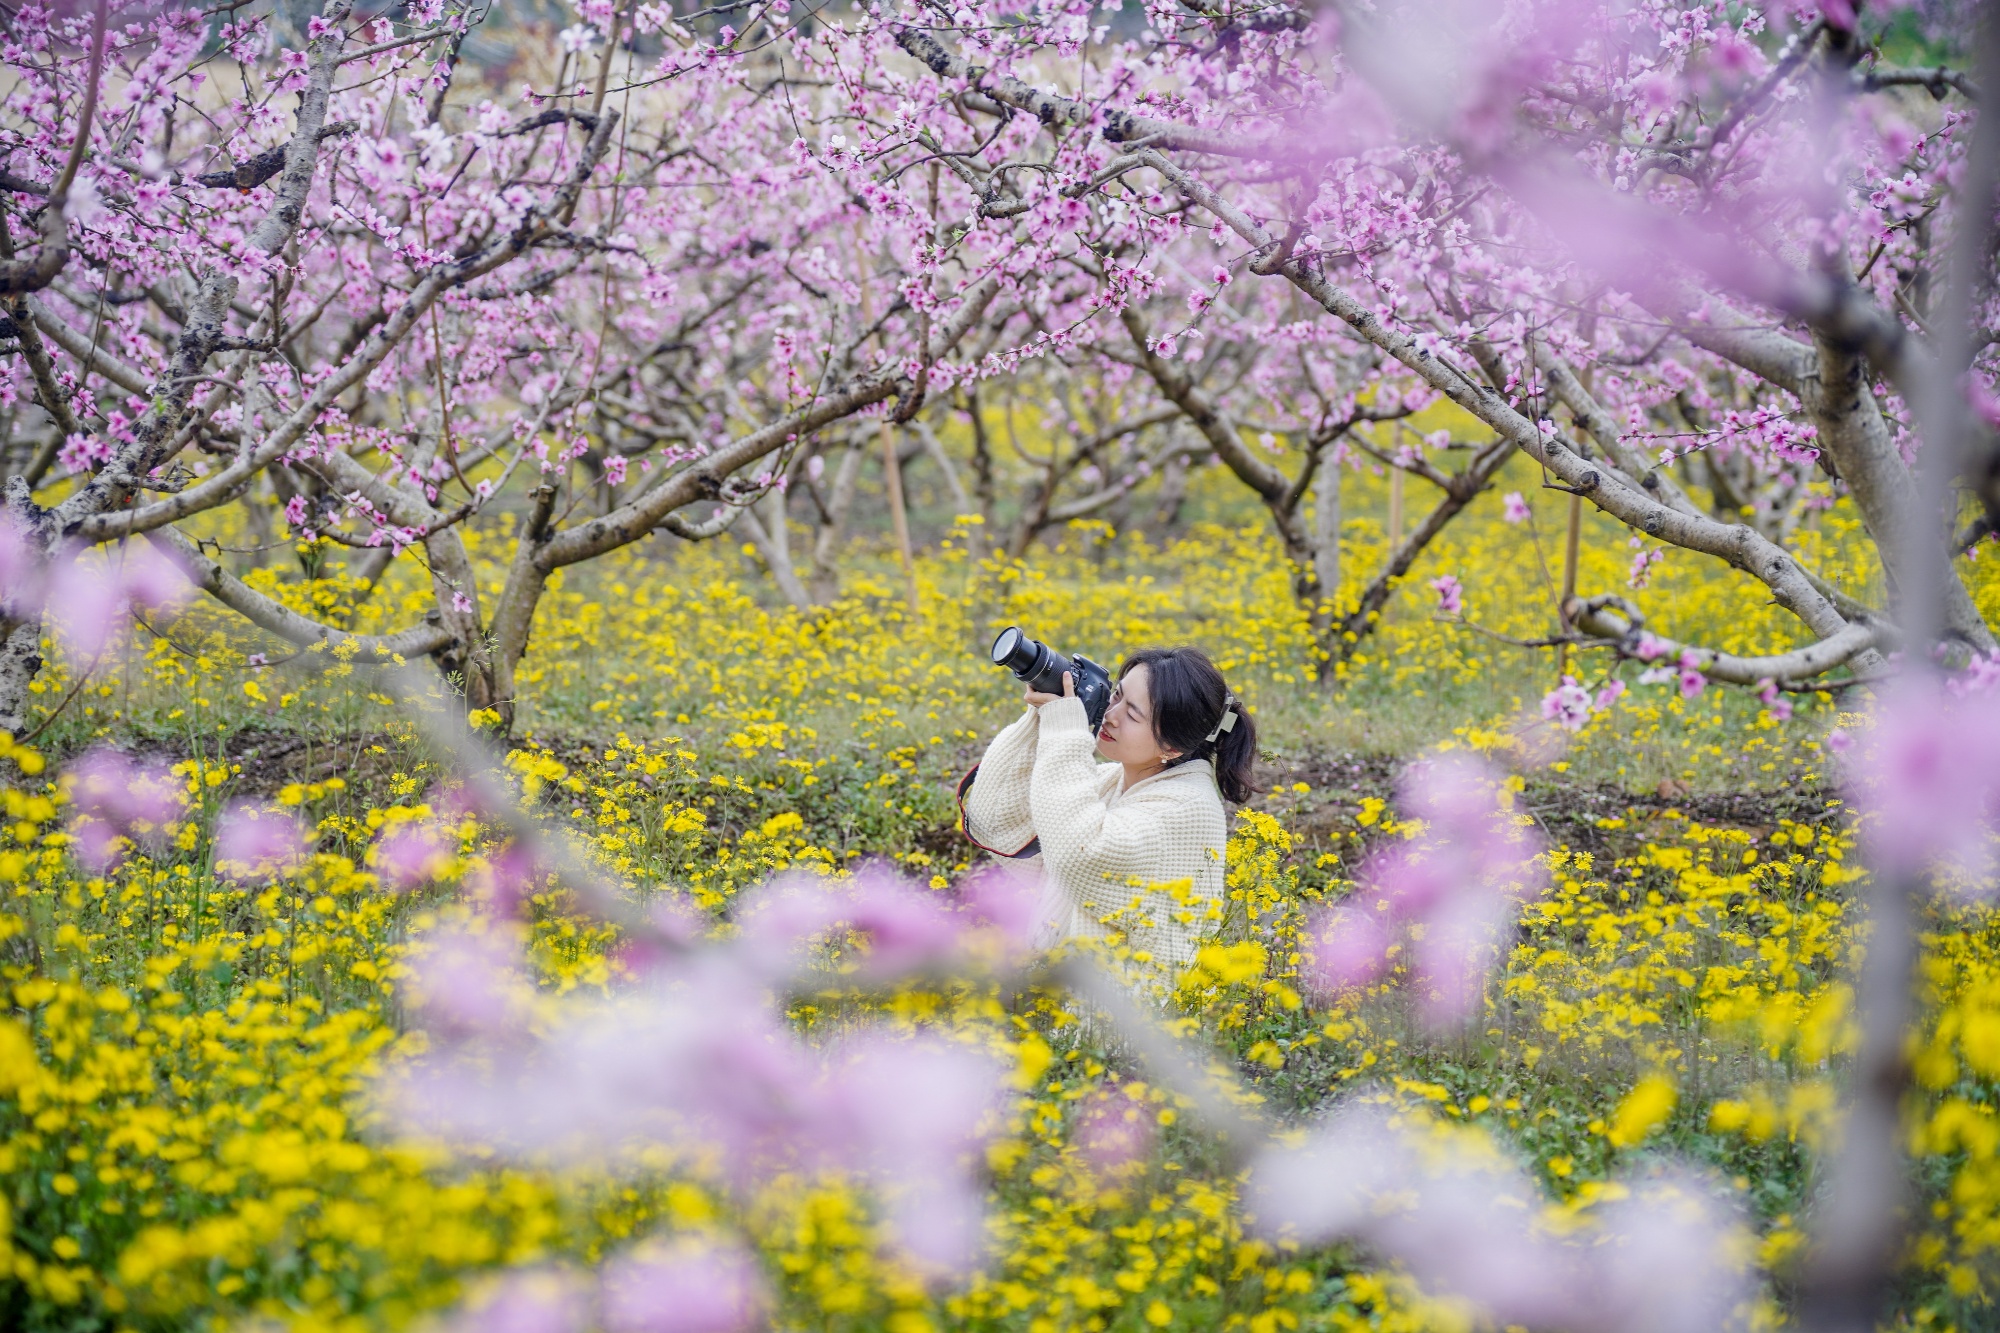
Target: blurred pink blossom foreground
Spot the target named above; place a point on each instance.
(114, 799)
(698, 1059)
(254, 841)
(86, 598)
(1461, 882)
(690, 1284)
(1663, 1257)
(1925, 778)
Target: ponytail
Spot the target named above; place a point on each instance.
(1195, 713)
(1235, 755)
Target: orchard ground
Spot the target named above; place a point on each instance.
(184, 1140)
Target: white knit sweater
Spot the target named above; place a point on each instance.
(1146, 862)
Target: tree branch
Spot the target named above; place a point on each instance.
(1740, 546)
(289, 625)
(633, 520)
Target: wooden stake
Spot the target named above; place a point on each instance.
(1569, 580)
(1570, 540)
(892, 469)
(1395, 508)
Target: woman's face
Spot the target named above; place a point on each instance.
(1127, 734)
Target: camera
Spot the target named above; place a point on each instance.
(1041, 667)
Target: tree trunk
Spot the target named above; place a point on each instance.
(20, 660)
(982, 460)
(934, 447)
(1842, 406)
(1344, 633)
(1173, 494)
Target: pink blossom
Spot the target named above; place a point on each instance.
(115, 798)
(88, 601)
(504, 880)
(1692, 682)
(86, 605)
(151, 579)
(698, 1061)
(1644, 559)
(1609, 695)
(688, 1285)
(1567, 705)
(914, 1116)
(254, 841)
(467, 980)
(1001, 910)
(1447, 588)
(674, 927)
(898, 925)
(1514, 508)
(1779, 706)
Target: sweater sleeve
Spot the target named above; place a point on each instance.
(1096, 847)
(995, 807)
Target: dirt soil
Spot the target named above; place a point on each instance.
(1570, 814)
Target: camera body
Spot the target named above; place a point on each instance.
(1041, 667)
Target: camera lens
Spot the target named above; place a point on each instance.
(1035, 663)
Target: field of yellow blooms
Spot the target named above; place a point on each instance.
(184, 1131)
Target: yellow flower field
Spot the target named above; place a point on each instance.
(183, 1117)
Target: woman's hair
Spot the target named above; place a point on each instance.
(1189, 696)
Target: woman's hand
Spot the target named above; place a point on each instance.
(1036, 698)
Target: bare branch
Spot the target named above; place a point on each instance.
(1939, 80)
(1050, 108)
(1613, 618)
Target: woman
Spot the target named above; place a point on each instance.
(1134, 845)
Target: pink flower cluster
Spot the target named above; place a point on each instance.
(1685, 671)
(1459, 881)
(1571, 706)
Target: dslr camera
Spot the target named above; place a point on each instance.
(1041, 667)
